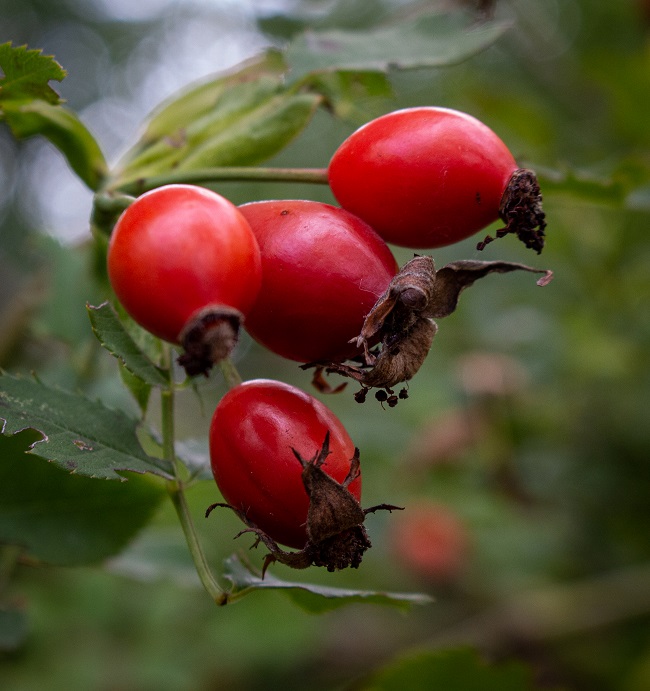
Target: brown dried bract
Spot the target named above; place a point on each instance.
(521, 211)
(402, 320)
(336, 535)
(209, 337)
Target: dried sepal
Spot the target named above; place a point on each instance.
(452, 279)
(323, 386)
(521, 210)
(209, 337)
(402, 320)
(336, 536)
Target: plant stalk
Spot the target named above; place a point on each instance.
(176, 491)
(316, 176)
(230, 373)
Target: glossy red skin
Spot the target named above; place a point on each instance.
(178, 249)
(422, 177)
(252, 432)
(322, 271)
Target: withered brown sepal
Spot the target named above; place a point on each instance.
(521, 210)
(209, 337)
(402, 320)
(336, 536)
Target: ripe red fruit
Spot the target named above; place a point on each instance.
(180, 249)
(428, 177)
(253, 433)
(322, 271)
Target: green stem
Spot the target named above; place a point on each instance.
(230, 373)
(316, 176)
(112, 203)
(176, 490)
(107, 207)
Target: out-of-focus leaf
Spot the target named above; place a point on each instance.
(311, 597)
(140, 390)
(451, 670)
(257, 135)
(620, 187)
(174, 115)
(116, 339)
(157, 554)
(65, 130)
(13, 628)
(195, 455)
(433, 40)
(80, 435)
(353, 96)
(63, 518)
(27, 74)
(70, 284)
(241, 119)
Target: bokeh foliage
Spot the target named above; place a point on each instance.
(529, 420)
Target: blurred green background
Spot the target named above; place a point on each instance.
(526, 433)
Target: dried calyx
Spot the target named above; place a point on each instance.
(209, 337)
(402, 320)
(521, 211)
(336, 536)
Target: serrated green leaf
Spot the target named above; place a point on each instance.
(62, 128)
(311, 597)
(114, 337)
(67, 519)
(27, 74)
(30, 107)
(433, 40)
(451, 670)
(79, 435)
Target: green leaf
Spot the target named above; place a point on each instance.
(353, 96)
(78, 434)
(173, 116)
(257, 135)
(250, 123)
(451, 670)
(27, 74)
(30, 106)
(113, 336)
(195, 455)
(311, 597)
(140, 390)
(67, 519)
(433, 40)
(63, 129)
(241, 118)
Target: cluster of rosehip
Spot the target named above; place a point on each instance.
(319, 285)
